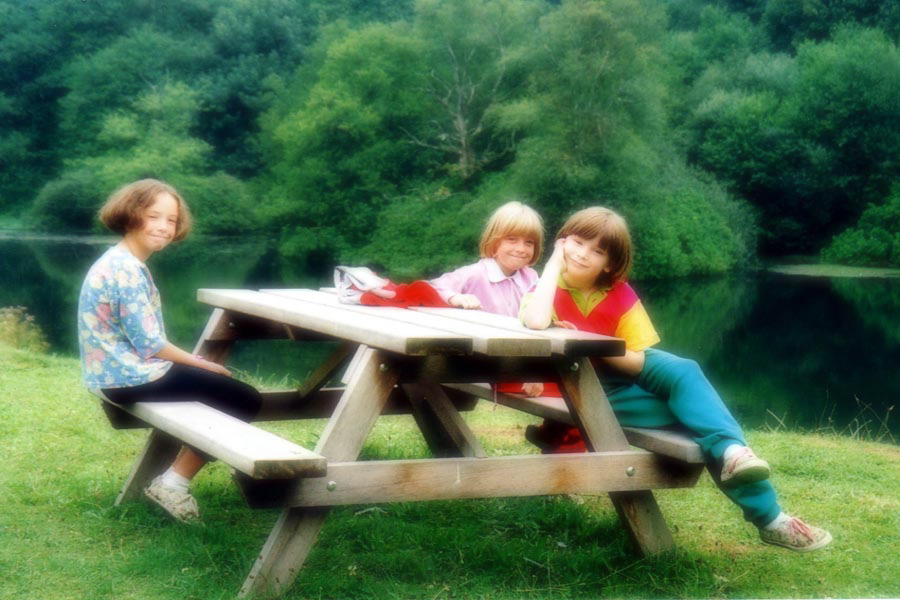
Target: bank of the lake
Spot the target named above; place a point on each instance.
(61, 537)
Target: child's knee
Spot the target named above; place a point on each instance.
(686, 367)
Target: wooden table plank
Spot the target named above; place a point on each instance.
(371, 330)
(487, 339)
(569, 342)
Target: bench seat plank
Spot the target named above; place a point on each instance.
(334, 321)
(487, 339)
(661, 441)
(258, 453)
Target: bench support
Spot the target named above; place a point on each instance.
(440, 423)
(158, 453)
(416, 480)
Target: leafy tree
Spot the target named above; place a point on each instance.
(252, 41)
(343, 151)
(472, 47)
(151, 139)
(847, 111)
(27, 102)
(107, 80)
(69, 203)
(594, 132)
(809, 141)
(790, 23)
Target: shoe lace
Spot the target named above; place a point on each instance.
(797, 527)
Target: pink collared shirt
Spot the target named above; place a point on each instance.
(486, 281)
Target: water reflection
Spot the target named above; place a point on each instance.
(812, 352)
(802, 350)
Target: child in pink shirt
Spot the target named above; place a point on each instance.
(510, 244)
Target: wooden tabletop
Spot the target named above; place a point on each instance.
(417, 332)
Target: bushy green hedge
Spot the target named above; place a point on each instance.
(66, 204)
(874, 241)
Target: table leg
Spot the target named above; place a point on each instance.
(295, 532)
(593, 414)
(217, 338)
(320, 376)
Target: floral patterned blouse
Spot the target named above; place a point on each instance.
(120, 324)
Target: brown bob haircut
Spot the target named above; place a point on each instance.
(612, 230)
(513, 218)
(123, 209)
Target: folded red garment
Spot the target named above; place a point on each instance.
(550, 389)
(417, 293)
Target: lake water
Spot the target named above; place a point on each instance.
(783, 350)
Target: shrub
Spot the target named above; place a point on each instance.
(66, 204)
(874, 241)
(18, 329)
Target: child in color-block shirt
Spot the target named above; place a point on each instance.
(583, 286)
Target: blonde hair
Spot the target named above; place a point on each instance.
(123, 210)
(614, 238)
(513, 218)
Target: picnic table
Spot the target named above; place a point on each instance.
(432, 363)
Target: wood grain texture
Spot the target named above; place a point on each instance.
(334, 321)
(251, 450)
(486, 338)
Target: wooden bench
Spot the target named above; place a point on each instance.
(673, 444)
(257, 453)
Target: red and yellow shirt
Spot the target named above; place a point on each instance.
(616, 311)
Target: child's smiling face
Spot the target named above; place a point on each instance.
(585, 260)
(514, 252)
(158, 224)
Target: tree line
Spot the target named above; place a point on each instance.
(386, 131)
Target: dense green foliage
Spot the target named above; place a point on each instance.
(385, 132)
(875, 241)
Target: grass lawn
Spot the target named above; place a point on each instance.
(61, 466)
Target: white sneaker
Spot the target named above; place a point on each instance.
(796, 535)
(177, 502)
(744, 467)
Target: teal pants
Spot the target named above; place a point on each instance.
(673, 392)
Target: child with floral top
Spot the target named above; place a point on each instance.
(124, 351)
(583, 286)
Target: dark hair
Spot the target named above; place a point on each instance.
(612, 230)
(123, 209)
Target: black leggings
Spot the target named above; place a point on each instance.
(182, 382)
